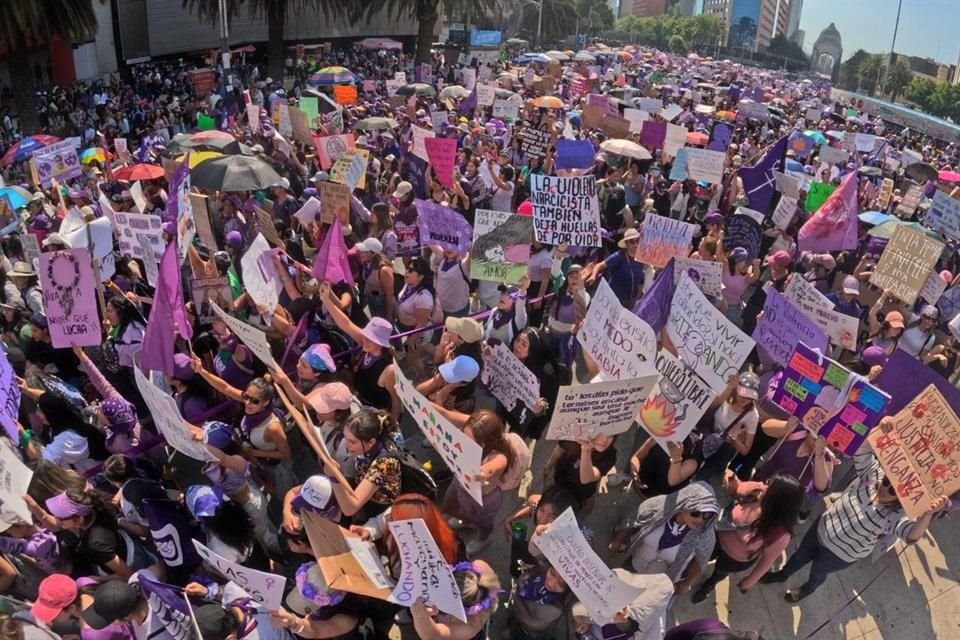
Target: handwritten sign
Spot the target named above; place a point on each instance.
(167, 419)
(788, 185)
(592, 581)
(621, 344)
(944, 214)
(442, 154)
(351, 169)
(742, 231)
(662, 238)
(534, 143)
(443, 226)
(650, 105)
(423, 571)
(706, 274)
(265, 588)
(636, 117)
(817, 194)
(69, 298)
(933, 288)
(822, 394)
(461, 454)
(346, 562)
(250, 336)
(264, 291)
(508, 379)
(566, 210)
(910, 201)
(501, 246)
(485, 95)
(331, 148)
(209, 293)
(705, 165)
(653, 133)
(9, 398)
(783, 215)
(705, 340)
(906, 262)
(782, 327)
(586, 411)
(58, 161)
(676, 404)
(15, 478)
(130, 225)
(805, 295)
(334, 202)
(420, 135)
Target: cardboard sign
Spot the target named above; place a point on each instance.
(566, 210)
(783, 215)
(586, 411)
(70, 298)
(265, 225)
(788, 185)
(200, 205)
(592, 581)
(910, 201)
(334, 203)
(461, 454)
(886, 190)
(167, 419)
(209, 293)
(705, 165)
(443, 227)
(344, 560)
(906, 262)
(676, 404)
(508, 379)
(57, 161)
(705, 340)
(424, 573)
(501, 246)
(662, 238)
(253, 338)
(944, 214)
(782, 327)
(261, 290)
(302, 131)
(265, 588)
(706, 274)
(829, 400)
(621, 344)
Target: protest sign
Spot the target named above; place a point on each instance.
(586, 411)
(675, 138)
(906, 262)
(817, 194)
(438, 120)
(284, 125)
(742, 231)
(944, 214)
(621, 344)
(636, 117)
(864, 142)
(949, 302)
(755, 110)
(670, 111)
(469, 77)
(505, 109)
(168, 421)
(706, 274)
(679, 169)
(788, 185)
(334, 202)
(393, 86)
(424, 573)
(903, 377)
(31, 248)
(534, 143)
(910, 201)
(705, 165)
(592, 581)
(460, 453)
(136, 193)
(574, 154)
(591, 116)
(508, 379)
(311, 107)
(662, 238)
(485, 95)
(9, 398)
(301, 127)
(886, 190)
(265, 225)
(70, 298)
(650, 105)
(782, 327)
(262, 290)
(832, 155)
(813, 114)
(705, 340)
(443, 226)
(805, 295)
(15, 478)
(129, 225)
(721, 134)
(331, 148)
(653, 133)
(615, 127)
(101, 232)
(933, 288)
(344, 94)
(676, 404)
(346, 562)
(58, 161)
(501, 246)
(209, 293)
(829, 400)
(200, 204)
(265, 588)
(783, 215)
(920, 453)
(566, 210)
(253, 338)
(442, 155)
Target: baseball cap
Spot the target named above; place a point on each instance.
(749, 385)
(460, 369)
(929, 311)
(320, 176)
(370, 244)
(780, 258)
(56, 593)
(282, 183)
(402, 189)
(217, 434)
(468, 329)
(111, 601)
(334, 396)
(215, 622)
(315, 494)
(894, 319)
(851, 286)
(202, 501)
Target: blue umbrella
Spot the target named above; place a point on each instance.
(873, 218)
(816, 136)
(533, 57)
(793, 165)
(25, 148)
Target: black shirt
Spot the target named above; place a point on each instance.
(567, 473)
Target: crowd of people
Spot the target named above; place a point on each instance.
(279, 443)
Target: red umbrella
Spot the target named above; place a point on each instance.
(697, 139)
(949, 176)
(139, 172)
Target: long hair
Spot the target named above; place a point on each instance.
(50, 479)
(97, 501)
(409, 506)
(476, 586)
(489, 433)
(63, 416)
(780, 505)
(127, 311)
(421, 266)
(371, 424)
(233, 526)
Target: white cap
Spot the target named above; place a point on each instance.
(370, 244)
(283, 183)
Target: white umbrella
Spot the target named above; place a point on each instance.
(626, 148)
(557, 55)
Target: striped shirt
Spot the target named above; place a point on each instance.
(854, 524)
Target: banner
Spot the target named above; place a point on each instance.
(586, 411)
(331, 148)
(167, 418)
(944, 214)
(742, 231)
(906, 262)
(442, 155)
(595, 585)
(706, 274)
(460, 453)
(705, 340)
(662, 238)
(265, 588)
(830, 400)
(676, 404)
(70, 298)
(566, 210)
(508, 379)
(501, 246)
(58, 161)
(920, 453)
(424, 573)
(534, 143)
(9, 398)
(442, 226)
(621, 344)
(334, 202)
(782, 327)
(705, 165)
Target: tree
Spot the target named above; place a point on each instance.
(871, 70)
(699, 31)
(850, 70)
(898, 77)
(559, 20)
(919, 91)
(677, 45)
(25, 23)
(782, 47)
(596, 16)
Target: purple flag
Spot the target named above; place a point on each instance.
(167, 310)
(759, 181)
(167, 605)
(171, 213)
(574, 154)
(469, 103)
(172, 531)
(654, 307)
(331, 263)
(904, 377)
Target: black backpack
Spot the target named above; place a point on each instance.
(413, 477)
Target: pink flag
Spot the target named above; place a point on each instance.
(442, 154)
(158, 347)
(834, 225)
(331, 263)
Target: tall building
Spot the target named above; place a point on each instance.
(751, 24)
(642, 8)
(793, 20)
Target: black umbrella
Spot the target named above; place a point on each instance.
(921, 172)
(417, 88)
(234, 173)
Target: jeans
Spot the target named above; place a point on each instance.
(824, 561)
(717, 463)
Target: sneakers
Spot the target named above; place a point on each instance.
(477, 545)
(700, 594)
(773, 577)
(793, 596)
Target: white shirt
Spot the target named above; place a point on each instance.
(502, 198)
(452, 285)
(69, 449)
(727, 413)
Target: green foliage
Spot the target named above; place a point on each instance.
(936, 98)
(698, 31)
(871, 72)
(897, 78)
(41, 19)
(559, 20)
(850, 70)
(783, 47)
(677, 45)
(596, 16)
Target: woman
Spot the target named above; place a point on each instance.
(486, 429)
(733, 426)
(538, 604)
(671, 534)
(376, 277)
(538, 272)
(374, 372)
(315, 369)
(708, 629)
(116, 416)
(642, 619)
(799, 453)
(579, 466)
(233, 362)
(195, 398)
(501, 199)
(381, 229)
(509, 317)
(633, 186)
(452, 281)
(531, 347)
(737, 277)
(415, 308)
(329, 614)
(13, 324)
(332, 405)
(567, 311)
(479, 590)
(920, 335)
(68, 441)
(125, 334)
(754, 530)
(774, 279)
(655, 472)
(410, 506)
(886, 334)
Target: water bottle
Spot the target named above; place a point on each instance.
(519, 530)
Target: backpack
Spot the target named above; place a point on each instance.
(413, 477)
(510, 479)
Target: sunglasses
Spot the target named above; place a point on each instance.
(251, 399)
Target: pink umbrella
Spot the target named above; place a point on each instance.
(949, 176)
(213, 134)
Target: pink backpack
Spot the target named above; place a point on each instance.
(510, 479)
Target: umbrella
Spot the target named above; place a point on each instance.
(234, 173)
(870, 171)
(25, 148)
(557, 55)
(18, 196)
(417, 89)
(874, 218)
(921, 172)
(527, 58)
(329, 76)
(886, 229)
(697, 138)
(793, 165)
(836, 135)
(98, 154)
(726, 115)
(454, 91)
(816, 136)
(196, 157)
(139, 172)
(373, 124)
(504, 93)
(585, 56)
(626, 148)
(949, 176)
(211, 136)
(623, 55)
(548, 102)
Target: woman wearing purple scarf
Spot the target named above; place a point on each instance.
(117, 416)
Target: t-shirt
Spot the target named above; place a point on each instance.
(502, 198)
(538, 262)
(624, 275)
(726, 413)
(567, 472)
(407, 305)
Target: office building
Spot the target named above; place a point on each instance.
(642, 8)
